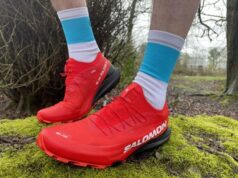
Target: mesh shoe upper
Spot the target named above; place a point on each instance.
(111, 134)
(81, 84)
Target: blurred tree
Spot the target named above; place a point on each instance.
(232, 36)
(33, 50)
(232, 46)
(32, 53)
(184, 59)
(182, 65)
(211, 25)
(113, 22)
(213, 59)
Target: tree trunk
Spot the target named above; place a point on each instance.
(232, 47)
(131, 20)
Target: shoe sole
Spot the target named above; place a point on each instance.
(110, 82)
(156, 142)
(149, 146)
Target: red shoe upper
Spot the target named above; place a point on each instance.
(110, 135)
(82, 82)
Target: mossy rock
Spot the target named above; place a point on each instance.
(200, 146)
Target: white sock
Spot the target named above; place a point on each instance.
(81, 43)
(154, 90)
(84, 52)
(155, 72)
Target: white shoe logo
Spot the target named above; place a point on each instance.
(102, 73)
(93, 71)
(147, 137)
(62, 135)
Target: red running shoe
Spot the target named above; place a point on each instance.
(128, 125)
(85, 84)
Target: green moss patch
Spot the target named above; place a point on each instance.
(21, 127)
(200, 146)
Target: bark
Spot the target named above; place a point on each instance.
(232, 47)
(131, 20)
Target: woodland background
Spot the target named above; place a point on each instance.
(203, 92)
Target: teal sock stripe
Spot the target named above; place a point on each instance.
(78, 30)
(159, 61)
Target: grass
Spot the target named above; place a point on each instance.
(128, 73)
(186, 87)
(199, 84)
(200, 146)
(199, 78)
(227, 99)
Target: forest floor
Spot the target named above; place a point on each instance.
(203, 141)
(195, 95)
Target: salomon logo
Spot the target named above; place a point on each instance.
(102, 73)
(62, 135)
(147, 137)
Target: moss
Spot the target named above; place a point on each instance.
(227, 99)
(22, 127)
(30, 162)
(200, 146)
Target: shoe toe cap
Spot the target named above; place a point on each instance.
(52, 114)
(52, 142)
(42, 116)
(61, 143)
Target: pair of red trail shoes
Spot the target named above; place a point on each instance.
(127, 125)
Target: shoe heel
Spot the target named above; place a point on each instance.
(110, 82)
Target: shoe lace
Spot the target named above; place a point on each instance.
(112, 114)
(73, 81)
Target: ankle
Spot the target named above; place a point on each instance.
(154, 90)
(81, 42)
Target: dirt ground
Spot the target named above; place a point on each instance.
(189, 96)
(201, 95)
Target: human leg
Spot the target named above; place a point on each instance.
(131, 121)
(89, 75)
